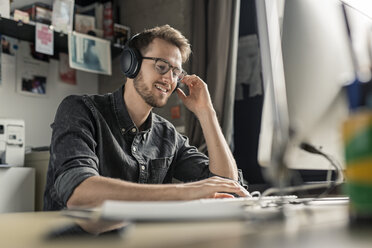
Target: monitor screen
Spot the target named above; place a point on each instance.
(306, 61)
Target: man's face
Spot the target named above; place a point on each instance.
(154, 88)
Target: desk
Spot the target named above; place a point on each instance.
(304, 226)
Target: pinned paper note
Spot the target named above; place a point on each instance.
(44, 39)
(4, 9)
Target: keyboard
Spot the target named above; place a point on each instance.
(251, 201)
(202, 209)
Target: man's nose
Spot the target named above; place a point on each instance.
(170, 77)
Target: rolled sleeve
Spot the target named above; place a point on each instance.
(67, 182)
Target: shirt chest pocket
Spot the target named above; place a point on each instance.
(158, 169)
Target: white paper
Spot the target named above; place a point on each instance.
(62, 17)
(8, 76)
(44, 39)
(7, 69)
(8, 49)
(1, 65)
(32, 74)
(4, 8)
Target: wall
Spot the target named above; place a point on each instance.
(141, 14)
(38, 112)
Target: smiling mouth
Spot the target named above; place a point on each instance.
(162, 88)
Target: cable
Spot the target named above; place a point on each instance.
(329, 185)
(339, 175)
(311, 149)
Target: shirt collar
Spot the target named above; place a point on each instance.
(125, 122)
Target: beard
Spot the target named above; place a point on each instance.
(146, 93)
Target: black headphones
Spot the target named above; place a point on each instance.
(131, 59)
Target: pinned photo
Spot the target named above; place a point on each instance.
(9, 45)
(34, 85)
(121, 35)
(88, 53)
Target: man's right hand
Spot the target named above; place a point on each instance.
(198, 101)
(211, 188)
(94, 190)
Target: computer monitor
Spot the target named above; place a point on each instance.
(306, 61)
(359, 20)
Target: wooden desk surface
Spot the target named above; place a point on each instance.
(303, 226)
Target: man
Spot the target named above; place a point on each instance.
(113, 147)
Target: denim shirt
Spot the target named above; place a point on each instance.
(94, 135)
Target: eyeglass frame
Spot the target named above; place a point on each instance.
(171, 67)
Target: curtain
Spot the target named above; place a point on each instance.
(214, 43)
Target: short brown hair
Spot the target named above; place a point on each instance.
(167, 33)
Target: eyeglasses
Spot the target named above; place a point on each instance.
(162, 66)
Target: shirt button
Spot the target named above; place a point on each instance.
(123, 130)
(134, 130)
(143, 167)
(134, 149)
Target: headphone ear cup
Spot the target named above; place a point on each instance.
(130, 61)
